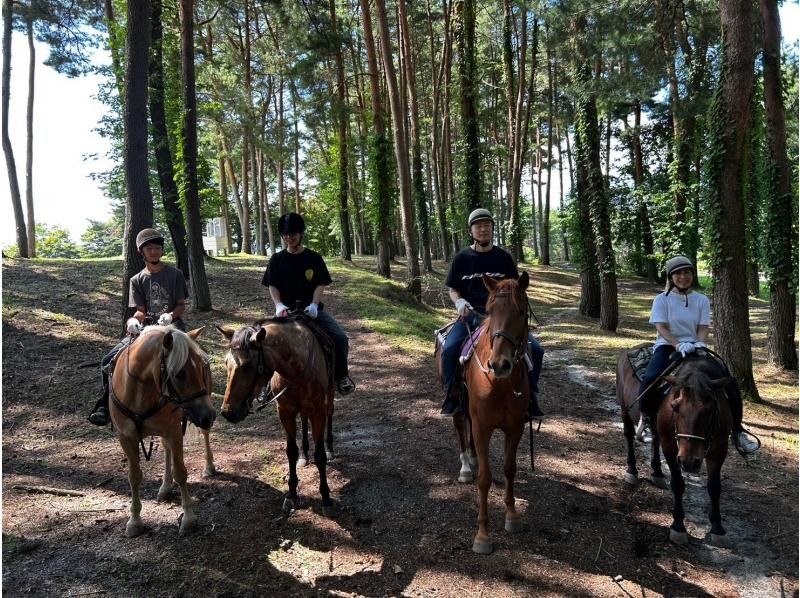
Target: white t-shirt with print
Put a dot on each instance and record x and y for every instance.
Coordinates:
(683, 314)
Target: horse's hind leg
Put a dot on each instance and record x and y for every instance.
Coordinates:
(631, 475)
(167, 483)
(210, 468)
(320, 457)
(465, 474)
(657, 477)
(302, 460)
(134, 527)
(514, 521)
(175, 443)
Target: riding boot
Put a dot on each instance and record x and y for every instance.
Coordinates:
(533, 406)
(99, 415)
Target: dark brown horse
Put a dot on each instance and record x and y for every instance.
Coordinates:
(285, 354)
(692, 425)
(498, 393)
(158, 380)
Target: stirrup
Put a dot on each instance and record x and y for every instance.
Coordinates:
(743, 444)
(99, 417)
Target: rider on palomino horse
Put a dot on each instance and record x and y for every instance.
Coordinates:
(297, 277)
(682, 320)
(469, 294)
(159, 295)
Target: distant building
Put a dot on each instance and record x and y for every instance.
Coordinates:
(214, 237)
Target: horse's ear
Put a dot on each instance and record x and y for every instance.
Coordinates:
(193, 334)
(225, 331)
(257, 338)
(489, 282)
(524, 279)
(167, 342)
(720, 382)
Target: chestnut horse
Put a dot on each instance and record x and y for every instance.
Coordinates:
(284, 353)
(692, 425)
(161, 378)
(498, 393)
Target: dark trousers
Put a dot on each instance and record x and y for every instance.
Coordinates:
(660, 360)
(455, 341)
(340, 340)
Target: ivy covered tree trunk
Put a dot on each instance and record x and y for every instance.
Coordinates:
(341, 121)
(158, 121)
(469, 183)
(781, 270)
(139, 205)
(730, 117)
(197, 268)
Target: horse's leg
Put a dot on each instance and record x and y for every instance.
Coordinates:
(677, 531)
(290, 428)
(717, 534)
(631, 475)
(210, 468)
(640, 429)
(302, 461)
(320, 457)
(481, 543)
(134, 527)
(168, 483)
(175, 444)
(465, 475)
(514, 521)
(657, 477)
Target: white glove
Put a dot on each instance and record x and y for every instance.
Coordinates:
(281, 311)
(699, 345)
(165, 319)
(133, 326)
(462, 306)
(686, 348)
(312, 310)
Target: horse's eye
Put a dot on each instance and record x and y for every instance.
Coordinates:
(181, 375)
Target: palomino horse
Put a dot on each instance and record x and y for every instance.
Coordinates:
(497, 387)
(158, 380)
(284, 353)
(693, 424)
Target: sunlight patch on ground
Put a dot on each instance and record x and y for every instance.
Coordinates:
(308, 565)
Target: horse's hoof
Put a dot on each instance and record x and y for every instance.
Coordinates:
(301, 462)
(164, 494)
(515, 525)
(288, 505)
(187, 525)
(631, 479)
(209, 471)
(659, 481)
(679, 538)
(133, 529)
(465, 475)
(713, 539)
(482, 546)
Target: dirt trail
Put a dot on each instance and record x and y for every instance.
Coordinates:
(402, 524)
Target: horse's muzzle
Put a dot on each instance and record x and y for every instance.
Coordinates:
(501, 368)
(690, 464)
(202, 416)
(233, 416)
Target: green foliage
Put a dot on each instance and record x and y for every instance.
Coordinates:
(103, 239)
(55, 242)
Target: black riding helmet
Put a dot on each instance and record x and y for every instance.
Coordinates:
(291, 222)
(149, 235)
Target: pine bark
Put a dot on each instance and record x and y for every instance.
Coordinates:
(470, 183)
(31, 220)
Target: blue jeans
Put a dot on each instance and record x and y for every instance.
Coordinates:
(455, 340)
(340, 342)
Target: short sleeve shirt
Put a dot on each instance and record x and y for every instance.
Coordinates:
(158, 292)
(296, 275)
(682, 313)
(468, 268)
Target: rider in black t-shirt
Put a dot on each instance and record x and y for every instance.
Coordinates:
(296, 278)
(467, 291)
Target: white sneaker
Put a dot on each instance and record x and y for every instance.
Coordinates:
(745, 445)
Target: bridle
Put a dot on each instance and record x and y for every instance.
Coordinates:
(518, 344)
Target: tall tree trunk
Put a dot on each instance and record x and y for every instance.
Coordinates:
(470, 186)
(197, 269)
(224, 210)
(247, 239)
(31, 220)
(11, 165)
(341, 113)
(638, 178)
(729, 119)
(262, 184)
(437, 170)
(534, 219)
(114, 46)
(139, 206)
(296, 119)
(158, 122)
(257, 202)
(546, 214)
(401, 153)
(781, 349)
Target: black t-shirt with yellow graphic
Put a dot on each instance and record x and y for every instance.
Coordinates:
(296, 275)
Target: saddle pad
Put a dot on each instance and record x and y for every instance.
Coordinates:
(469, 344)
(639, 359)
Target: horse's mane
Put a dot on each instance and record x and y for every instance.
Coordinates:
(182, 345)
(241, 338)
(696, 373)
(504, 288)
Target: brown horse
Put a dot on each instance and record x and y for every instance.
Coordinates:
(285, 354)
(158, 380)
(692, 425)
(498, 393)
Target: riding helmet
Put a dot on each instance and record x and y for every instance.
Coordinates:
(291, 222)
(679, 262)
(480, 214)
(148, 235)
